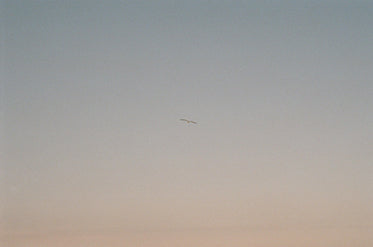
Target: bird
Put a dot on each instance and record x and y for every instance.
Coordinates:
(188, 121)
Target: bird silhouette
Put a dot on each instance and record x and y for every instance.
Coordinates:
(188, 121)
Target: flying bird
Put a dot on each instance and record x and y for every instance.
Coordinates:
(188, 121)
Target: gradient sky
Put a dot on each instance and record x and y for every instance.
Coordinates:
(91, 97)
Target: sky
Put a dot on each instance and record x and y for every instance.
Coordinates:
(93, 151)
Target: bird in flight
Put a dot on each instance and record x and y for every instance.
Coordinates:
(188, 121)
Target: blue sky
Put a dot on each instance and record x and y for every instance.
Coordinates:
(93, 91)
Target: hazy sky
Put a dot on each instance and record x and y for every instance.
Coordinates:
(91, 97)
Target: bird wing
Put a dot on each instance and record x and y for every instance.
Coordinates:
(184, 120)
(193, 122)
